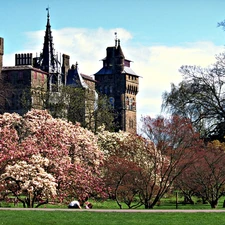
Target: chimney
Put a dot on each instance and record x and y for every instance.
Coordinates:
(65, 67)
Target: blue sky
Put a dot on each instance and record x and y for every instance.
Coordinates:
(158, 35)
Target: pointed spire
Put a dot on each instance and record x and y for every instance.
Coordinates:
(48, 12)
(48, 61)
(119, 51)
(48, 16)
(116, 39)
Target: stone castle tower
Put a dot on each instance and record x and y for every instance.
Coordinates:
(48, 60)
(120, 83)
(115, 79)
(1, 53)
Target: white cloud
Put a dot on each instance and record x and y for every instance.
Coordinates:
(160, 69)
(157, 65)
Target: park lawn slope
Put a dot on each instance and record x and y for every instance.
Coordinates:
(31, 217)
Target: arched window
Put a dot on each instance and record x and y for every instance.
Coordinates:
(133, 104)
(106, 90)
(131, 123)
(127, 102)
(130, 103)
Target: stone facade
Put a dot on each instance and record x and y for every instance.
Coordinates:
(26, 86)
(120, 83)
(45, 73)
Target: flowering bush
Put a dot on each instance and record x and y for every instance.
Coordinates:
(132, 166)
(29, 179)
(66, 146)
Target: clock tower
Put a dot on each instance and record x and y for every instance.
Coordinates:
(120, 83)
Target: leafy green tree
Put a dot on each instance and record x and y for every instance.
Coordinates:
(85, 106)
(104, 114)
(201, 98)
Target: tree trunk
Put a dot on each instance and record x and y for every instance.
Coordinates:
(41, 203)
(188, 199)
(148, 205)
(224, 204)
(214, 204)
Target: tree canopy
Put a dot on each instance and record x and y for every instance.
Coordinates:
(201, 98)
(147, 167)
(58, 158)
(89, 108)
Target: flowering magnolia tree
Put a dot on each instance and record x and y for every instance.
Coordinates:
(13, 145)
(176, 140)
(72, 151)
(135, 170)
(28, 181)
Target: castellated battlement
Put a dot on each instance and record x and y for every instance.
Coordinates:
(23, 59)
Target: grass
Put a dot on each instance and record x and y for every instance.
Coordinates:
(11, 217)
(58, 217)
(165, 203)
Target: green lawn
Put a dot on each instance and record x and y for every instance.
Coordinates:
(11, 217)
(165, 203)
(58, 217)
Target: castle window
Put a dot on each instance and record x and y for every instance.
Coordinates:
(130, 103)
(111, 101)
(131, 123)
(106, 90)
(127, 103)
(133, 104)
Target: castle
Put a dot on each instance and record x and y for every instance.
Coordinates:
(35, 76)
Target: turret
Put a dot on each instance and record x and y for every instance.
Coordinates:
(119, 82)
(65, 67)
(119, 58)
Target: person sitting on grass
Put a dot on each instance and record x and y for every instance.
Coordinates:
(74, 205)
(88, 205)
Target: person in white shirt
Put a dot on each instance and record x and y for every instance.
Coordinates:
(74, 205)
